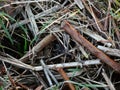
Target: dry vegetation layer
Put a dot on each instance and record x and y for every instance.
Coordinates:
(59, 45)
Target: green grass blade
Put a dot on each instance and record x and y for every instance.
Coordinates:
(6, 31)
(25, 43)
(12, 19)
(1, 88)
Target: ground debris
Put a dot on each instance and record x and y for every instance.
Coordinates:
(40, 52)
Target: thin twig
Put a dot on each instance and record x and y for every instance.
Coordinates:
(111, 86)
(89, 8)
(39, 15)
(23, 86)
(64, 75)
(71, 64)
(49, 73)
(15, 62)
(46, 74)
(32, 20)
(110, 51)
(18, 63)
(22, 2)
(95, 36)
(107, 20)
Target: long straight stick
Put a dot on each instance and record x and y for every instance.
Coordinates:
(81, 40)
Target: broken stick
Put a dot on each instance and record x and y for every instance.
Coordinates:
(38, 47)
(81, 40)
